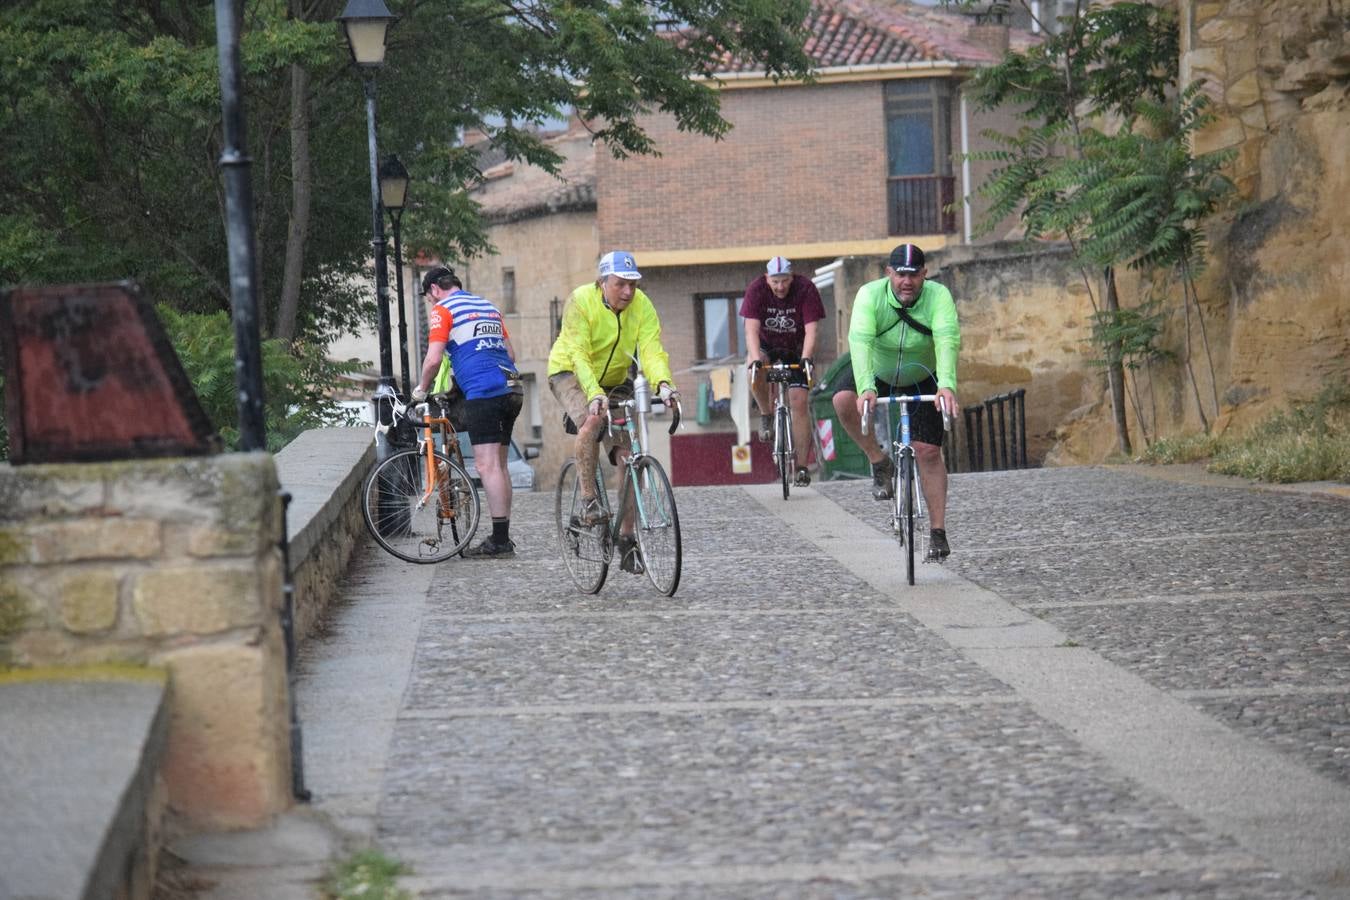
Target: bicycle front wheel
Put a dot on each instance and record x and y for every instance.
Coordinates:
(658, 526)
(782, 449)
(904, 498)
(585, 548)
(416, 517)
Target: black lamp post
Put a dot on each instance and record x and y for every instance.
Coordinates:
(366, 24)
(393, 194)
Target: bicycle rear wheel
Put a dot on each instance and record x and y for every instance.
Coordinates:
(905, 482)
(585, 549)
(782, 453)
(417, 519)
(658, 526)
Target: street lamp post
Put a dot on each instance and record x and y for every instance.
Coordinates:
(366, 24)
(393, 194)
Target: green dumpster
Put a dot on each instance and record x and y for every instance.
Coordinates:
(839, 456)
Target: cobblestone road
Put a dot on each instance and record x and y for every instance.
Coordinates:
(1119, 686)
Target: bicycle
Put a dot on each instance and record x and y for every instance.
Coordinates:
(644, 494)
(420, 504)
(779, 376)
(907, 508)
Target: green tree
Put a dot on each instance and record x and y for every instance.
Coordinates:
(1105, 161)
(110, 128)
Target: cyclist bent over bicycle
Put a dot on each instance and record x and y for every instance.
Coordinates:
(605, 325)
(904, 317)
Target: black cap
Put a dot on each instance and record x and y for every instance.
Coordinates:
(906, 258)
(442, 276)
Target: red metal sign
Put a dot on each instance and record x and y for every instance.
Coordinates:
(90, 375)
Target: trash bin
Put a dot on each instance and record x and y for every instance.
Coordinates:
(839, 456)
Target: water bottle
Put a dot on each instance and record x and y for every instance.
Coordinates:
(642, 393)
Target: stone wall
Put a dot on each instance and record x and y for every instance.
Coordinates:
(171, 564)
(175, 565)
(1276, 310)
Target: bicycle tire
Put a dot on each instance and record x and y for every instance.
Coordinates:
(782, 452)
(586, 550)
(412, 522)
(904, 474)
(657, 526)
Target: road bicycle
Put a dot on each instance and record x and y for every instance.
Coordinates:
(420, 504)
(908, 516)
(779, 376)
(645, 500)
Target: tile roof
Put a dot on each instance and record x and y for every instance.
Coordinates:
(881, 32)
(511, 191)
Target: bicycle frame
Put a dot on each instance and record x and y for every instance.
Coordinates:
(779, 377)
(588, 548)
(907, 500)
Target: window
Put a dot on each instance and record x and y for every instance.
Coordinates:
(508, 297)
(918, 156)
(720, 331)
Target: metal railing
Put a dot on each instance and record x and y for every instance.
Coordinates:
(1002, 422)
(920, 204)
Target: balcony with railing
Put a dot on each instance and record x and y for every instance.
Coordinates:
(920, 204)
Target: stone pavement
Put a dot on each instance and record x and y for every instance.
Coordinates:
(1119, 686)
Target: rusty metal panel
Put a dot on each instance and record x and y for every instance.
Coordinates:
(90, 375)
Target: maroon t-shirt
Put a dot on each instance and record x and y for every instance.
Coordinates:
(782, 323)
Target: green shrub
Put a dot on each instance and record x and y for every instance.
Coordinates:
(1182, 449)
(295, 380)
(1308, 442)
(369, 875)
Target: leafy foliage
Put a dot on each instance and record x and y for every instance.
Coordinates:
(294, 378)
(1128, 336)
(110, 126)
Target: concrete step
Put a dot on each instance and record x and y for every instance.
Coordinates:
(78, 785)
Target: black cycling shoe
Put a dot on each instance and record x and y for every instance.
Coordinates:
(937, 544)
(802, 478)
(882, 475)
(630, 558)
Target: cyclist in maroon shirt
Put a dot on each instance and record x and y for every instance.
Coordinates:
(781, 312)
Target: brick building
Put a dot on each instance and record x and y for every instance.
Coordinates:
(868, 155)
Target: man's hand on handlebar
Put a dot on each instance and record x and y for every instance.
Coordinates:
(946, 402)
(667, 393)
(809, 368)
(419, 394)
(866, 400)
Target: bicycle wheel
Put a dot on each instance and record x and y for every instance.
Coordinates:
(905, 482)
(414, 520)
(782, 452)
(457, 457)
(658, 526)
(585, 548)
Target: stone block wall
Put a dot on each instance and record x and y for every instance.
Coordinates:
(1276, 312)
(171, 564)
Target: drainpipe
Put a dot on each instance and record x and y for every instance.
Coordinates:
(965, 166)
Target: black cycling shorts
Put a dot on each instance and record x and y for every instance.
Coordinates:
(925, 422)
(491, 419)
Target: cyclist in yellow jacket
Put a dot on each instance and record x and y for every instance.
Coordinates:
(605, 325)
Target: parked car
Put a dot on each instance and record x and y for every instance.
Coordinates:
(521, 472)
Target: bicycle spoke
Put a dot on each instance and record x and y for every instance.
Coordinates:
(658, 526)
(416, 519)
(585, 548)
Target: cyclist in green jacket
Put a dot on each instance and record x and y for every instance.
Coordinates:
(604, 325)
(903, 337)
